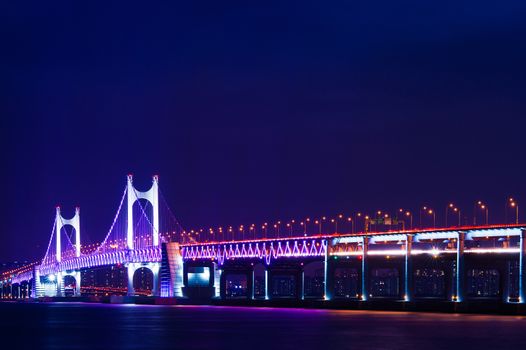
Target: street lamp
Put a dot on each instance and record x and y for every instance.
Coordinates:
(356, 216)
(450, 206)
(457, 210)
(432, 212)
(318, 222)
(410, 215)
(515, 205)
(424, 210)
(483, 207)
(277, 227)
(349, 219)
(242, 230)
(335, 222)
(340, 216)
(377, 220)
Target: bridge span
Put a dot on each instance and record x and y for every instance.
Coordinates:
(453, 264)
(483, 262)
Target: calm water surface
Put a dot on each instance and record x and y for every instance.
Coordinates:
(98, 326)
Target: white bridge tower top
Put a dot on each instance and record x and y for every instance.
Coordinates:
(61, 222)
(152, 196)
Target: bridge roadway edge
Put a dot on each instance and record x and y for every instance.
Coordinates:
(467, 307)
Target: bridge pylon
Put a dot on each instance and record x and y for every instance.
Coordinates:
(58, 279)
(61, 222)
(152, 196)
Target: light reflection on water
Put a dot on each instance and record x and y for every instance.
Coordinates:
(83, 326)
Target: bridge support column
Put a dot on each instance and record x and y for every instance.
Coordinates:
(266, 283)
(222, 286)
(156, 282)
(217, 280)
(60, 285)
(505, 282)
(251, 279)
(302, 283)
(36, 286)
(460, 273)
(408, 270)
(365, 269)
(328, 274)
(130, 269)
(78, 284)
(522, 267)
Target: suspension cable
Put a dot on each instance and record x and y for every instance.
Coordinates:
(113, 223)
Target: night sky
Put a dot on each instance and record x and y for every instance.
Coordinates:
(257, 111)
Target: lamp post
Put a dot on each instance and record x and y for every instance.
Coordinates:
(356, 216)
(432, 212)
(289, 225)
(457, 210)
(349, 219)
(515, 205)
(450, 206)
(407, 214)
(277, 227)
(318, 222)
(410, 215)
(420, 215)
(485, 209)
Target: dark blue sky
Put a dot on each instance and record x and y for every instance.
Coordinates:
(255, 112)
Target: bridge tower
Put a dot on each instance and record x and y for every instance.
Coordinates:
(152, 196)
(75, 223)
(60, 223)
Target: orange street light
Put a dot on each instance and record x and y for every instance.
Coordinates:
(515, 205)
(484, 208)
(410, 215)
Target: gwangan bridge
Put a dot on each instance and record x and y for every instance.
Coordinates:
(455, 264)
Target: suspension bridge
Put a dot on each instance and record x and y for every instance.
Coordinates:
(453, 264)
(142, 222)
